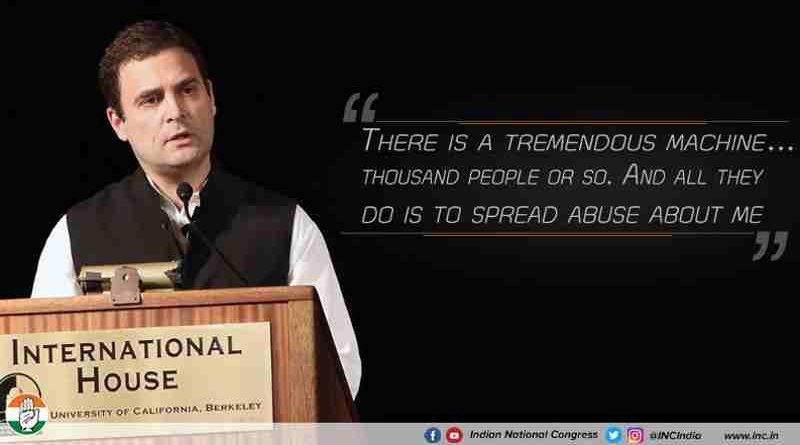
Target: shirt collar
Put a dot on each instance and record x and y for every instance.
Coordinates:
(173, 210)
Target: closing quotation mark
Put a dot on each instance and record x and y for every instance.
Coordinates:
(367, 113)
(762, 241)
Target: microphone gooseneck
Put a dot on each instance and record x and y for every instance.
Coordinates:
(185, 193)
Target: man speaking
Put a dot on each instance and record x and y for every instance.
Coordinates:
(161, 101)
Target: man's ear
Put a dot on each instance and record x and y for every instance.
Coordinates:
(117, 123)
(211, 95)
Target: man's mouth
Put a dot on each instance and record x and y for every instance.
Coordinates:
(180, 137)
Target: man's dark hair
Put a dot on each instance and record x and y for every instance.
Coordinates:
(139, 41)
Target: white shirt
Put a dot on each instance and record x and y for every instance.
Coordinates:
(309, 264)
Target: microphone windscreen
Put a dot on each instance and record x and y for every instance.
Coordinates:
(185, 191)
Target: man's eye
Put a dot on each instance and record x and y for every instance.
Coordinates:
(188, 90)
(149, 100)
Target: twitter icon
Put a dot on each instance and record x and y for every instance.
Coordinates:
(614, 434)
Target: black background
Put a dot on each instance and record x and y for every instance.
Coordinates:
(517, 329)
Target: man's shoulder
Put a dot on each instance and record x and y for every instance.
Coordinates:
(237, 190)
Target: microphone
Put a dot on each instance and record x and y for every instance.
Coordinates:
(185, 192)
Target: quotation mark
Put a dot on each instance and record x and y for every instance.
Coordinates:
(367, 113)
(762, 241)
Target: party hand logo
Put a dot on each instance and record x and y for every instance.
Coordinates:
(26, 414)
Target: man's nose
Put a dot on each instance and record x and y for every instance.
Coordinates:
(174, 108)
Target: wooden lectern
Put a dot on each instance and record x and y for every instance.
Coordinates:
(308, 382)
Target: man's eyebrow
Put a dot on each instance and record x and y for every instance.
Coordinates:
(187, 82)
(158, 90)
(148, 93)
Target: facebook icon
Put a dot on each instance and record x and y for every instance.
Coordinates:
(433, 435)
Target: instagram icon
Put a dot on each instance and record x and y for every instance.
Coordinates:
(635, 435)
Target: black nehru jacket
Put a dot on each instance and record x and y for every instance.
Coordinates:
(124, 224)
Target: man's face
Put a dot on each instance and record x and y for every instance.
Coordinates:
(169, 113)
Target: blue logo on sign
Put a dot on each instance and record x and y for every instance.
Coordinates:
(614, 434)
(433, 435)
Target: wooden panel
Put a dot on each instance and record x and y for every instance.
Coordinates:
(308, 382)
(206, 297)
(334, 401)
(136, 318)
(302, 365)
(280, 368)
(318, 384)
